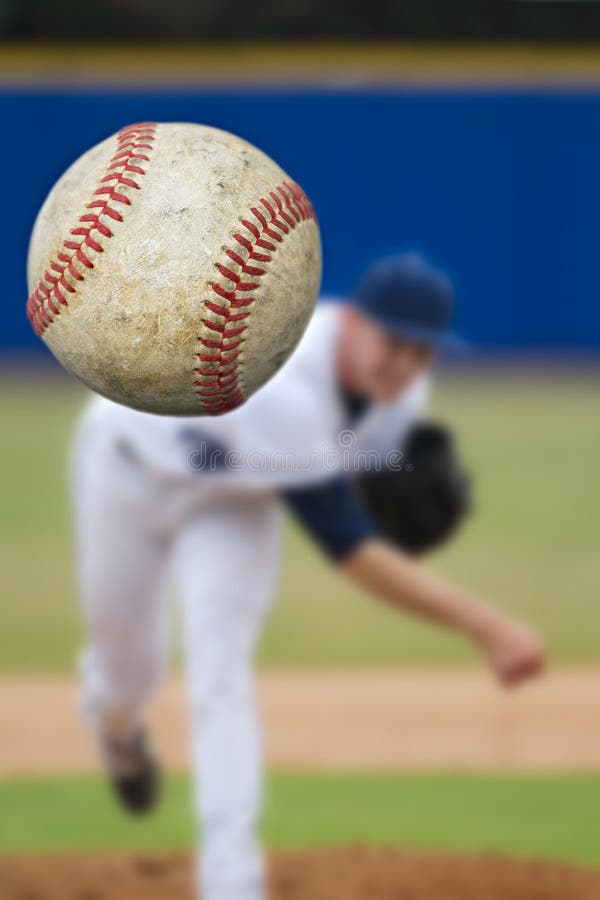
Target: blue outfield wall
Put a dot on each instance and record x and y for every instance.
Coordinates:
(500, 187)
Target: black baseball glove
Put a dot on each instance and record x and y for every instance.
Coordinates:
(419, 504)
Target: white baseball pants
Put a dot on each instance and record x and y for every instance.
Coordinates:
(134, 529)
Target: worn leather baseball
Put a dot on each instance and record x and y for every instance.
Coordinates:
(173, 268)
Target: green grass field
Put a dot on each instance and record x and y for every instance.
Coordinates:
(527, 816)
(532, 440)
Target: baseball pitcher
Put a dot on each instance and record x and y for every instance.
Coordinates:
(199, 501)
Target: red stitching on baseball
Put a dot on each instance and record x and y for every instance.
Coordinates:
(41, 308)
(219, 388)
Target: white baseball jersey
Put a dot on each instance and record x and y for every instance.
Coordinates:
(292, 432)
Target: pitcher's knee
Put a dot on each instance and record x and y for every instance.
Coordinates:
(222, 689)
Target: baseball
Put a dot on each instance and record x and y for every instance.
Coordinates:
(173, 268)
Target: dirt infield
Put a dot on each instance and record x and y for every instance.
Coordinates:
(387, 720)
(352, 874)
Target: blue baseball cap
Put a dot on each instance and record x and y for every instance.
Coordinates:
(409, 298)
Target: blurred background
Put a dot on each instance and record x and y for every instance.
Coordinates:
(469, 131)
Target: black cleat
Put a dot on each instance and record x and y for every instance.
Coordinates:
(134, 772)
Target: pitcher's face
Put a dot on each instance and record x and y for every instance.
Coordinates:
(375, 364)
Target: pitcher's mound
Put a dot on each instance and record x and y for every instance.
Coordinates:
(352, 874)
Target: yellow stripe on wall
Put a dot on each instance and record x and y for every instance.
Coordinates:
(317, 64)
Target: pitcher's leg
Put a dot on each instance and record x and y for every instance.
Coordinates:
(122, 568)
(226, 564)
